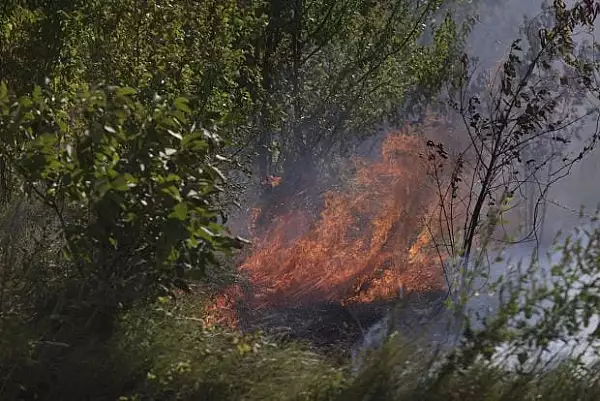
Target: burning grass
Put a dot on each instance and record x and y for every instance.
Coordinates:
(370, 241)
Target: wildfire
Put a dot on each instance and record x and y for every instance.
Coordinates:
(370, 240)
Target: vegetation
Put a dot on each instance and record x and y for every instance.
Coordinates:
(121, 126)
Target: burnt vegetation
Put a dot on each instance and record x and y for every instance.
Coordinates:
(294, 200)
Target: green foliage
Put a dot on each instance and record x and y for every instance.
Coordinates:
(196, 49)
(199, 50)
(330, 66)
(545, 305)
(164, 352)
(134, 186)
(116, 196)
(29, 41)
(334, 69)
(187, 361)
(316, 73)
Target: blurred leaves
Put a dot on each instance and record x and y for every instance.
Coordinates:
(124, 178)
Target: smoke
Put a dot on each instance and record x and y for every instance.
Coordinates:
(570, 202)
(490, 42)
(303, 250)
(560, 210)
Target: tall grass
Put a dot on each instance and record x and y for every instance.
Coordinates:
(165, 351)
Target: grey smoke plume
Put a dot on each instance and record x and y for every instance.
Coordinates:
(489, 42)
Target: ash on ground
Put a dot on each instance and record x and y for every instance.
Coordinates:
(356, 327)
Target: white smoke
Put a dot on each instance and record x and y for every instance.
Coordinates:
(490, 41)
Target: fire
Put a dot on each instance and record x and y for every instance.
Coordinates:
(370, 235)
(370, 240)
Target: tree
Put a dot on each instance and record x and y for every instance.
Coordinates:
(199, 50)
(516, 127)
(335, 69)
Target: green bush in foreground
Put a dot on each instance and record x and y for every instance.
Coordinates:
(184, 360)
(165, 352)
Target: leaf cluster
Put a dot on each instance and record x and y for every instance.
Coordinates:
(134, 186)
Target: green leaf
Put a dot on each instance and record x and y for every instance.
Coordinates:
(125, 91)
(206, 234)
(129, 217)
(3, 91)
(113, 242)
(181, 104)
(180, 212)
(194, 141)
(25, 102)
(120, 183)
(44, 141)
(37, 93)
(172, 191)
(130, 179)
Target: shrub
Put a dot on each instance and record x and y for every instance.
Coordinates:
(184, 360)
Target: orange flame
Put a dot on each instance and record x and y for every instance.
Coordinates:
(369, 241)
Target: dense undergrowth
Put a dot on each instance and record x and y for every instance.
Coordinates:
(166, 353)
(165, 350)
(120, 124)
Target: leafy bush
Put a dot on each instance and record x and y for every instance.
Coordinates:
(115, 201)
(134, 187)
